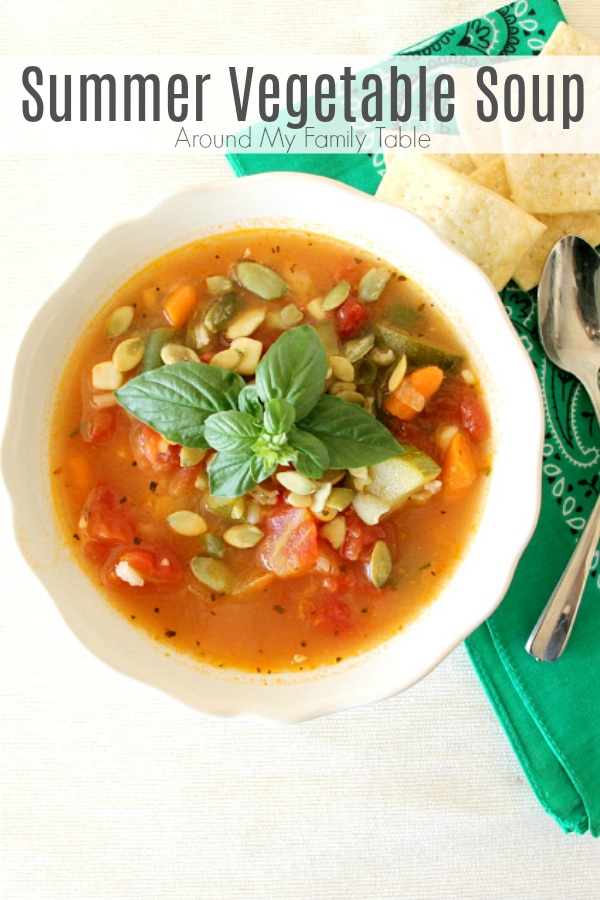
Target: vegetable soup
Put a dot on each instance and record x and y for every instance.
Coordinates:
(270, 451)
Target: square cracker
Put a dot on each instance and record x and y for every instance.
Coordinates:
(554, 182)
(529, 271)
(551, 182)
(566, 41)
(460, 162)
(490, 230)
(585, 224)
(493, 176)
(484, 159)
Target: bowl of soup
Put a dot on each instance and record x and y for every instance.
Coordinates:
(274, 448)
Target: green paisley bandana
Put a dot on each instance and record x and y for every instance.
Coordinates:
(550, 711)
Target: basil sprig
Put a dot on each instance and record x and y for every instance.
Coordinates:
(282, 419)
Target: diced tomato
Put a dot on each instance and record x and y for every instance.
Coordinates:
(183, 481)
(156, 565)
(106, 520)
(100, 427)
(96, 551)
(349, 317)
(456, 403)
(474, 417)
(332, 616)
(360, 537)
(206, 357)
(163, 457)
(290, 546)
(349, 270)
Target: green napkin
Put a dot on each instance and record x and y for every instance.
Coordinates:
(550, 711)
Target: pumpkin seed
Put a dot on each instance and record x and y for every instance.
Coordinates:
(340, 498)
(250, 352)
(300, 501)
(211, 543)
(176, 353)
(371, 285)
(338, 386)
(187, 523)
(297, 483)
(321, 497)
(366, 371)
(398, 374)
(352, 397)
(118, 322)
(191, 456)
(355, 350)
(336, 296)
(333, 475)
(227, 359)
(380, 565)
(361, 472)
(128, 354)
(221, 505)
(246, 323)
(260, 280)
(218, 284)
(214, 573)
(243, 536)
(290, 315)
(223, 311)
(335, 532)
(369, 508)
(342, 368)
(105, 377)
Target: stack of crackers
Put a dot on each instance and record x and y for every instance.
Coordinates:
(505, 212)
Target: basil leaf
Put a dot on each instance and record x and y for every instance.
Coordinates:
(312, 456)
(294, 369)
(231, 431)
(248, 401)
(262, 470)
(353, 436)
(231, 474)
(177, 399)
(279, 416)
(234, 474)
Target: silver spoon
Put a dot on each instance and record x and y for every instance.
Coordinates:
(569, 322)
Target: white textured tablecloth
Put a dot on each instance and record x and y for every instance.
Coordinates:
(109, 790)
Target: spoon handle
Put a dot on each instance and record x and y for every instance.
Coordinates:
(551, 633)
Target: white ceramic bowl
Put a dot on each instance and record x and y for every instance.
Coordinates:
(460, 289)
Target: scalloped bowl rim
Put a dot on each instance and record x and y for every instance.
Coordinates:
(464, 293)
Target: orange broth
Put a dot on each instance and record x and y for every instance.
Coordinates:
(266, 623)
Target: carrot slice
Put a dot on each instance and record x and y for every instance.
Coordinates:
(458, 468)
(180, 305)
(425, 381)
